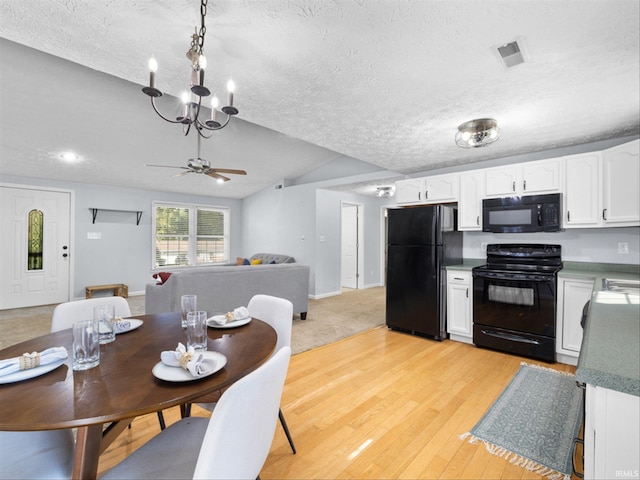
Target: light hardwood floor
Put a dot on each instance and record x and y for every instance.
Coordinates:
(381, 404)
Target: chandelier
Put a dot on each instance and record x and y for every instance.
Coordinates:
(477, 133)
(192, 101)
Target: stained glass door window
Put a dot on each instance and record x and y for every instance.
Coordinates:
(35, 240)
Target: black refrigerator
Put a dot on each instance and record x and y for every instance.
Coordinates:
(421, 242)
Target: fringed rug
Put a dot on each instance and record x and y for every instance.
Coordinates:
(534, 421)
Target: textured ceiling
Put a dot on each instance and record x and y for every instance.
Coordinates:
(383, 81)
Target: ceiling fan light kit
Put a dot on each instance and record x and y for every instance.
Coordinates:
(477, 133)
(190, 115)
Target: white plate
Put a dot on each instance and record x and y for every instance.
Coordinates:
(235, 323)
(122, 327)
(179, 374)
(32, 372)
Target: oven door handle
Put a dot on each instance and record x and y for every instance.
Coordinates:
(507, 277)
(507, 336)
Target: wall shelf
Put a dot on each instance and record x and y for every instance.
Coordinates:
(94, 213)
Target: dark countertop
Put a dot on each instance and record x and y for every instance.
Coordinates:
(610, 351)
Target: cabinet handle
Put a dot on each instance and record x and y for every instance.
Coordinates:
(477, 219)
(426, 194)
(513, 186)
(524, 185)
(604, 214)
(458, 278)
(419, 194)
(467, 292)
(568, 216)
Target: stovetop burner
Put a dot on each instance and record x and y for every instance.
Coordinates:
(523, 258)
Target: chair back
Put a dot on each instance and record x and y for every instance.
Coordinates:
(275, 311)
(66, 313)
(240, 432)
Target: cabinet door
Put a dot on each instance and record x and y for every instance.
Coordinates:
(441, 188)
(409, 191)
(541, 177)
(582, 190)
(459, 304)
(573, 294)
(502, 181)
(611, 438)
(470, 203)
(621, 203)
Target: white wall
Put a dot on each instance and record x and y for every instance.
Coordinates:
(123, 254)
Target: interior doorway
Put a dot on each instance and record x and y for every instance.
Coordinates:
(34, 246)
(351, 228)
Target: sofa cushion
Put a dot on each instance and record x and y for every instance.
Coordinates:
(270, 258)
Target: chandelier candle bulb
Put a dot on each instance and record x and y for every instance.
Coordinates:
(214, 105)
(202, 62)
(153, 68)
(231, 87)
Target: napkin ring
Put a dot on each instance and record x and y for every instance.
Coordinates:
(185, 358)
(29, 360)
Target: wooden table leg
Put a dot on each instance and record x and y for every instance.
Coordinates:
(87, 454)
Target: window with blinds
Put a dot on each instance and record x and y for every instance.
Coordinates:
(190, 235)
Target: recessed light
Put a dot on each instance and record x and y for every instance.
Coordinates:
(69, 157)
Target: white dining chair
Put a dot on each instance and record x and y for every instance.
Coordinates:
(36, 455)
(232, 444)
(277, 312)
(66, 313)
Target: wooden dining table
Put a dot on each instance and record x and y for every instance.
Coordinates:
(122, 386)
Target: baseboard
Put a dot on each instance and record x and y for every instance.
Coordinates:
(339, 292)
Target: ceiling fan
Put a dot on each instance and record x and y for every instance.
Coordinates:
(200, 165)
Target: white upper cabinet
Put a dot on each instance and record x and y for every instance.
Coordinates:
(529, 178)
(409, 191)
(620, 170)
(470, 200)
(582, 190)
(441, 188)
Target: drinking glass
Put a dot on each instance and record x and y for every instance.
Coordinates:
(86, 344)
(189, 304)
(197, 331)
(105, 315)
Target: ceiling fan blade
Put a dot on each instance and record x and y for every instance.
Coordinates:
(163, 166)
(228, 170)
(217, 176)
(181, 174)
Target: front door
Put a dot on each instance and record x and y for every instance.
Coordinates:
(34, 247)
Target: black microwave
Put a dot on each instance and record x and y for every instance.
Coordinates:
(531, 213)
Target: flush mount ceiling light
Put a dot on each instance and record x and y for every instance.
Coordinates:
(477, 133)
(384, 192)
(190, 115)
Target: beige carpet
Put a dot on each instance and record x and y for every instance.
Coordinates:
(328, 319)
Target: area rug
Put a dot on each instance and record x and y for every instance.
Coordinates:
(534, 421)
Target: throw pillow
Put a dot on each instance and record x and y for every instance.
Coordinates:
(272, 262)
(239, 261)
(162, 277)
(256, 261)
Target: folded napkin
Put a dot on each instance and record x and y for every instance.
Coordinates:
(194, 362)
(239, 313)
(32, 360)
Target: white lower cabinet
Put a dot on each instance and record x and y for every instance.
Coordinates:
(573, 293)
(460, 305)
(611, 434)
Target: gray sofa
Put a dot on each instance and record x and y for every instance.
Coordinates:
(220, 289)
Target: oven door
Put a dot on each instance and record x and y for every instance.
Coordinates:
(515, 301)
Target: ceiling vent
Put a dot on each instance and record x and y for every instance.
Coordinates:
(511, 54)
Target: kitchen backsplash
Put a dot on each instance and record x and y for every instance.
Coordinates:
(599, 245)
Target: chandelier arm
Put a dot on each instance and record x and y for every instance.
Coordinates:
(207, 127)
(201, 133)
(153, 103)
